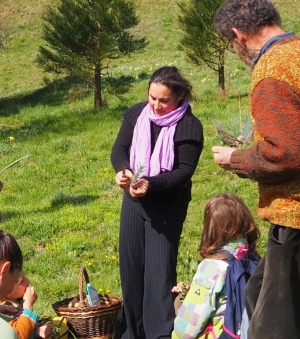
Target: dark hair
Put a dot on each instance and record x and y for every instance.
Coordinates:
(10, 251)
(226, 217)
(169, 76)
(248, 16)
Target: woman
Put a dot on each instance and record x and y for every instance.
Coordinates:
(155, 155)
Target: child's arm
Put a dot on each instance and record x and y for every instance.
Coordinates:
(24, 325)
(181, 288)
(201, 298)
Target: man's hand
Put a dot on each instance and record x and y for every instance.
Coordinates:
(222, 156)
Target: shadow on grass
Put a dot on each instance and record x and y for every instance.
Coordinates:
(70, 89)
(52, 94)
(57, 202)
(77, 118)
(236, 96)
(76, 200)
(5, 216)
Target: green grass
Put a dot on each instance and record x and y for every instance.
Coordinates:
(61, 203)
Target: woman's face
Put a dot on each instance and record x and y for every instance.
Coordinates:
(161, 99)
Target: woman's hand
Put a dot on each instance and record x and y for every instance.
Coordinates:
(123, 180)
(30, 297)
(139, 189)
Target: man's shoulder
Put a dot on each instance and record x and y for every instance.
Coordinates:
(280, 63)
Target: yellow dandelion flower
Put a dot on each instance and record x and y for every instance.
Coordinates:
(107, 291)
(11, 139)
(113, 257)
(100, 290)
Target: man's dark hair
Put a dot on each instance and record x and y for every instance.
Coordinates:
(10, 251)
(248, 16)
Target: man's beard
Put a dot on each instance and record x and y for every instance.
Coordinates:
(245, 55)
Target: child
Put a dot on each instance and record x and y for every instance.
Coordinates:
(11, 262)
(23, 296)
(228, 229)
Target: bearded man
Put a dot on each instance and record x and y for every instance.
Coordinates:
(253, 30)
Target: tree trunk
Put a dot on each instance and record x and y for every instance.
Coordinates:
(97, 87)
(221, 73)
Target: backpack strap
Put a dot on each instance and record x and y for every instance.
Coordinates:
(242, 252)
(210, 329)
(232, 335)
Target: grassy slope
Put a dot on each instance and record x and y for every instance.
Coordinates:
(61, 203)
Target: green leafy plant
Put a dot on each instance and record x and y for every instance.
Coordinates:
(185, 289)
(137, 173)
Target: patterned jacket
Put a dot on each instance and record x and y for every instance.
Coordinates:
(205, 302)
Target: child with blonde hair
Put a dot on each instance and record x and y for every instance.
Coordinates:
(228, 230)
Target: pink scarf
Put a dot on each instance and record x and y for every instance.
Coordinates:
(162, 158)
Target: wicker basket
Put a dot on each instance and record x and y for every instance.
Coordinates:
(96, 322)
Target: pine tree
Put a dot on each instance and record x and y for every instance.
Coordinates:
(83, 36)
(200, 41)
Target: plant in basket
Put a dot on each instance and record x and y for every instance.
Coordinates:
(86, 321)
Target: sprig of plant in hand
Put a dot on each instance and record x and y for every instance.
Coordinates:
(184, 292)
(137, 173)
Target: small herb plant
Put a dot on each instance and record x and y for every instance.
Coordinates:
(137, 173)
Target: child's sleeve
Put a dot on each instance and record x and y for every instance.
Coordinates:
(25, 324)
(200, 302)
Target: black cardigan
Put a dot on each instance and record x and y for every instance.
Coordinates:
(166, 188)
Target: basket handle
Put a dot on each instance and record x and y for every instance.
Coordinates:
(82, 273)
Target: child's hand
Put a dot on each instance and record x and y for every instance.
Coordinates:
(44, 331)
(10, 310)
(180, 287)
(30, 297)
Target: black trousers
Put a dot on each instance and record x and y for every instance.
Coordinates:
(273, 291)
(149, 240)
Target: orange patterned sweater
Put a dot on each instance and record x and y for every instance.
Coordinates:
(274, 159)
(25, 324)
